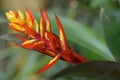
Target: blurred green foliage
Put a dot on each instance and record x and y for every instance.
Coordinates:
(92, 33)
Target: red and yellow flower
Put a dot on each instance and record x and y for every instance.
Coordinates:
(41, 38)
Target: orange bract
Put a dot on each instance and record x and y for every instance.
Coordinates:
(41, 38)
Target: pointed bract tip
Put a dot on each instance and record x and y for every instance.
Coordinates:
(48, 24)
(30, 15)
(50, 64)
(62, 34)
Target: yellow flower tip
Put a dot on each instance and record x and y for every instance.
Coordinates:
(30, 16)
(31, 21)
(16, 27)
(29, 42)
(13, 13)
(21, 15)
(48, 26)
(11, 16)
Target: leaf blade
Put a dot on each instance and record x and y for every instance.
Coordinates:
(95, 69)
(111, 29)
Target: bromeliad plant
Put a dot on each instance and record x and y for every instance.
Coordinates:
(41, 38)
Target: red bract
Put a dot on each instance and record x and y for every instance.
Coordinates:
(41, 38)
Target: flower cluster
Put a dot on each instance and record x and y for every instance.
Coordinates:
(41, 38)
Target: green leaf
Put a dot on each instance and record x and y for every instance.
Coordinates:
(83, 36)
(111, 28)
(103, 70)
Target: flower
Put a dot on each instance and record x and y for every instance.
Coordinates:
(41, 38)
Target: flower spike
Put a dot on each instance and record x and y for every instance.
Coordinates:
(41, 38)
